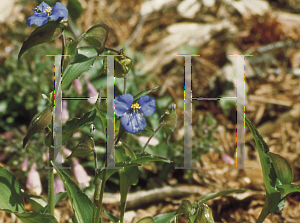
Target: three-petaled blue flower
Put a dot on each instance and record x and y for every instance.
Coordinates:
(132, 114)
(44, 12)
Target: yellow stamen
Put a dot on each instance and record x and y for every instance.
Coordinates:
(48, 10)
(136, 106)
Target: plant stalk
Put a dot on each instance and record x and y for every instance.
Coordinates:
(98, 197)
(264, 212)
(151, 136)
(51, 174)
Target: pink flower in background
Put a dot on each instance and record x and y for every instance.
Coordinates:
(81, 175)
(78, 86)
(58, 185)
(143, 139)
(93, 93)
(33, 183)
(227, 159)
(2, 156)
(24, 165)
(65, 113)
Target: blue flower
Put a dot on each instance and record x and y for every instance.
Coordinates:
(132, 114)
(44, 12)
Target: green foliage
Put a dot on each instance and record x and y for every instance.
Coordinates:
(11, 200)
(84, 147)
(277, 174)
(82, 205)
(46, 33)
(38, 123)
(83, 59)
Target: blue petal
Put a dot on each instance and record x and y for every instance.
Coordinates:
(148, 105)
(42, 7)
(122, 104)
(59, 11)
(38, 19)
(133, 122)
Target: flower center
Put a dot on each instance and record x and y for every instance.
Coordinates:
(136, 106)
(48, 10)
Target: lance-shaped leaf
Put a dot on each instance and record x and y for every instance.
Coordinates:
(82, 205)
(96, 36)
(83, 62)
(38, 123)
(128, 176)
(145, 92)
(122, 65)
(43, 34)
(84, 147)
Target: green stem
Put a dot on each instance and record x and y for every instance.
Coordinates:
(98, 197)
(125, 83)
(51, 175)
(264, 213)
(151, 136)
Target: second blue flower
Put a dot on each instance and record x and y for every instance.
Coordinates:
(132, 115)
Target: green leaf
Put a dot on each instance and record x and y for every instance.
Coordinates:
(146, 220)
(111, 217)
(38, 203)
(75, 9)
(219, 194)
(59, 196)
(144, 158)
(273, 200)
(38, 123)
(129, 175)
(265, 160)
(145, 92)
(110, 172)
(32, 217)
(82, 205)
(96, 36)
(84, 147)
(203, 215)
(10, 198)
(128, 151)
(164, 218)
(83, 62)
(283, 169)
(46, 33)
(287, 189)
(185, 207)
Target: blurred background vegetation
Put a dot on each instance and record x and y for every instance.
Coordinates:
(151, 33)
